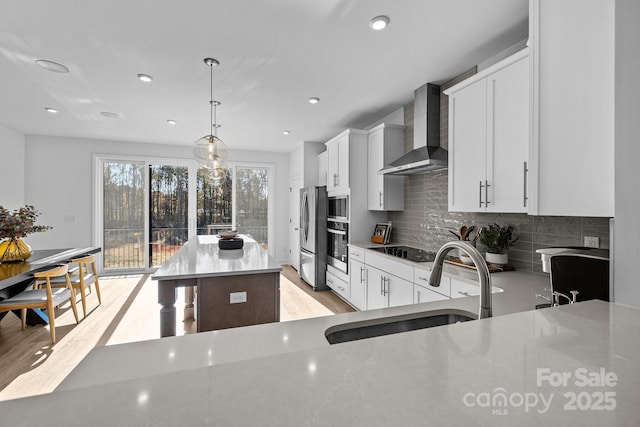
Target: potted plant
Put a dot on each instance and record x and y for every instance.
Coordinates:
(13, 226)
(498, 239)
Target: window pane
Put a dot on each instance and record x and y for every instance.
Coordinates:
(169, 211)
(252, 205)
(123, 215)
(214, 203)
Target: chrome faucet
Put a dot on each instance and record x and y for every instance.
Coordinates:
(483, 273)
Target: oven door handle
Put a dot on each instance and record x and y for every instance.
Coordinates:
(341, 232)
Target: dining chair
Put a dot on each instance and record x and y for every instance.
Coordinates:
(44, 298)
(81, 276)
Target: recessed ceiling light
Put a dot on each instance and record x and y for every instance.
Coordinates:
(145, 78)
(172, 122)
(286, 132)
(50, 110)
(52, 66)
(379, 22)
(111, 115)
(314, 100)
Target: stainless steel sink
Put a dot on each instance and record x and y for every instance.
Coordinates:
(393, 325)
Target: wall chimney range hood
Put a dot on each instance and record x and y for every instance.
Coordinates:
(427, 155)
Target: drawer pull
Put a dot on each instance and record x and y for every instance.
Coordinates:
(464, 293)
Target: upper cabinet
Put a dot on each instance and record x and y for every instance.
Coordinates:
(489, 138)
(339, 152)
(572, 91)
(386, 144)
(322, 169)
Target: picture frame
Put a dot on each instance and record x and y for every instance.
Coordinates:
(383, 230)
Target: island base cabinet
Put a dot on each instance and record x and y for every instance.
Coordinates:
(232, 301)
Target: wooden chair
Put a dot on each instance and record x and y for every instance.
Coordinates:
(82, 276)
(46, 298)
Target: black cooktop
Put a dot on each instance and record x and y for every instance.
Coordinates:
(408, 253)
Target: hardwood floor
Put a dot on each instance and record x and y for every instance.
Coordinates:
(128, 313)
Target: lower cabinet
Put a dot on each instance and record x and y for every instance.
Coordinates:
(422, 294)
(386, 290)
(358, 283)
(340, 286)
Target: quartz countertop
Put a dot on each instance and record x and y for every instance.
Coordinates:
(570, 365)
(201, 257)
(126, 361)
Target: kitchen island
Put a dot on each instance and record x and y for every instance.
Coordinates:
(569, 365)
(237, 287)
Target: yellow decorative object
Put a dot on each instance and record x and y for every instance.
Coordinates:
(14, 250)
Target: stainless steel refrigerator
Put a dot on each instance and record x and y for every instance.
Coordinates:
(313, 236)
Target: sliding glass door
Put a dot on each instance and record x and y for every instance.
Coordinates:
(147, 209)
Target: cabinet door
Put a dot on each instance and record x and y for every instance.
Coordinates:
(343, 163)
(467, 143)
(358, 282)
(400, 290)
(573, 107)
(375, 163)
(333, 153)
(322, 169)
(376, 292)
(421, 294)
(508, 138)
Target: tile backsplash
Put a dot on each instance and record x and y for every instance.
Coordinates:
(425, 221)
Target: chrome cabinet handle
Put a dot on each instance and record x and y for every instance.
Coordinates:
(384, 286)
(526, 174)
(335, 180)
(380, 198)
(480, 193)
(464, 293)
(486, 193)
(381, 285)
(422, 278)
(361, 274)
(418, 295)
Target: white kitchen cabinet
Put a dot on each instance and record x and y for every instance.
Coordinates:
(571, 166)
(422, 294)
(386, 290)
(421, 278)
(357, 278)
(345, 151)
(386, 144)
(489, 138)
(322, 169)
(340, 286)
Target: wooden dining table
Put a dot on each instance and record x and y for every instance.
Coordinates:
(16, 277)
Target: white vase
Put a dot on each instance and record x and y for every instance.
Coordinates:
(497, 259)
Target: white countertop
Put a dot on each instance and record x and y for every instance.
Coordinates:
(438, 376)
(201, 257)
(126, 361)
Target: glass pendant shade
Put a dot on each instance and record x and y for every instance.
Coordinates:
(210, 152)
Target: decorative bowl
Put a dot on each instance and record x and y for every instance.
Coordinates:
(228, 234)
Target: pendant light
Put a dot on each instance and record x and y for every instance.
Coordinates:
(210, 151)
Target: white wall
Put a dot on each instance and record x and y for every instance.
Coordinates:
(12, 152)
(59, 183)
(626, 248)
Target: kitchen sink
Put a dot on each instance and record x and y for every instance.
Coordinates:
(394, 325)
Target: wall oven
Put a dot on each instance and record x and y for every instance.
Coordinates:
(337, 244)
(338, 208)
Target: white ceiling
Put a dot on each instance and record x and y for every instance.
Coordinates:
(274, 55)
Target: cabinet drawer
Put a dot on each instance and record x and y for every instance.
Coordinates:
(422, 294)
(338, 285)
(389, 265)
(421, 278)
(460, 289)
(356, 253)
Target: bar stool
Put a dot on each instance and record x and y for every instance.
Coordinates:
(46, 298)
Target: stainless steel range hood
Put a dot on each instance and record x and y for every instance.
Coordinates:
(427, 155)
